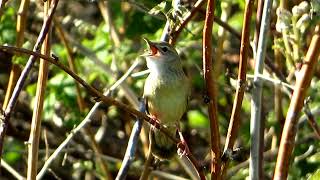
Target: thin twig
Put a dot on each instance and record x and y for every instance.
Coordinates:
(80, 101)
(5, 117)
(227, 27)
(311, 120)
(147, 165)
(132, 145)
(15, 69)
(256, 124)
(21, 21)
(14, 75)
(309, 115)
(211, 92)
(314, 111)
(258, 21)
(271, 154)
(236, 110)
(175, 34)
(97, 149)
(2, 5)
(99, 97)
(86, 120)
(222, 36)
(274, 81)
(105, 11)
(129, 94)
(278, 95)
(306, 154)
(70, 59)
(33, 142)
(268, 60)
(14, 173)
(296, 104)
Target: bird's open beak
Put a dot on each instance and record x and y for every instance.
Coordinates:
(153, 50)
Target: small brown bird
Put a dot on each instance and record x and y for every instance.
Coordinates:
(166, 91)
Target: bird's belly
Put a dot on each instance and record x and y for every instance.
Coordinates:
(167, 102)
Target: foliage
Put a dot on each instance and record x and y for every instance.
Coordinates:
(88, 33)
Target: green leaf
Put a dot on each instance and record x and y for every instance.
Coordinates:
(12, 151)
(197, 120)
(158, 8)
(315, 175)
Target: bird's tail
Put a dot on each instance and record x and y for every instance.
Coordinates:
(162, 147)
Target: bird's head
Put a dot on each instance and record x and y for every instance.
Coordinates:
(161, 54)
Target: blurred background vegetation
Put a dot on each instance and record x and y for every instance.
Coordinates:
(95, 49)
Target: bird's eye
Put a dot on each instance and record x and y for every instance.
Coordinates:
(164, 49)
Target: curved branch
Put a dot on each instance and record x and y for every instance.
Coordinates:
(296, 104)
(98, 95)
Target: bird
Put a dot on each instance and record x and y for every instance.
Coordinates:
(166, 93)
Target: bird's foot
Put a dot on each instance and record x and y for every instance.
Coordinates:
(155, 123)
(183, 149)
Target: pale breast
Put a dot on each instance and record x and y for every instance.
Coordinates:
(167, 97)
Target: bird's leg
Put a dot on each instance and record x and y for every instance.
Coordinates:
(154, 122)
(182, 146)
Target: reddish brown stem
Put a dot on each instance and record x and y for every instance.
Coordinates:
(186, 19)
(211, 92)
(296, 104)
(236, 110)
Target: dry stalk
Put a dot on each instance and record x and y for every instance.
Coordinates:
(296, 104)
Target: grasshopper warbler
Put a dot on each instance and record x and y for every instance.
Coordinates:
(166, 91)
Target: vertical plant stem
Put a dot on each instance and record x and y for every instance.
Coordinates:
(97, 150)
(14, 75)
(21, 21)
(70, 59)
(146, 170)
(225, 7)
(105, 11)
(132, 146)
(258, 21)
(256, 123)
(235, 116)
(15, 69)
(296, 104)
(288, 48)
(165, 36)
(175, 34)
(236, 110)
(80, 101)
(211, 91)
(2, 5)
(4, 118)
(277, 91)
(296, 38)
(33, 142)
